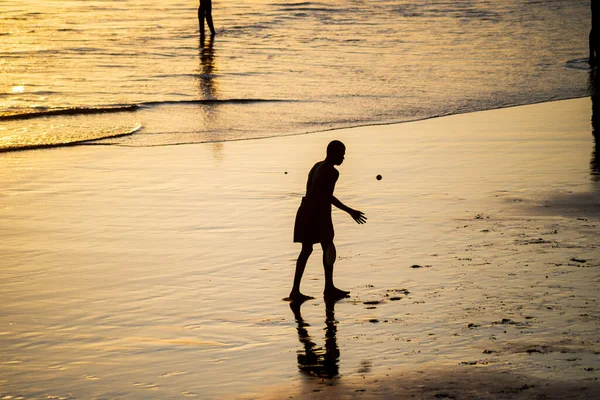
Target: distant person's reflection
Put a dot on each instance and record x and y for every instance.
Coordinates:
(207, 87)
(206, 82)
(313, 360)
(595, 94)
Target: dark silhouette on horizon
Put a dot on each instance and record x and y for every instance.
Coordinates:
(595, 95)
(205, 12)
(313, 360)
(594, 38)
(314, 224)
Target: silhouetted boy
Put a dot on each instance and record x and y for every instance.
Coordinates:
(314, 223)
(205, 11)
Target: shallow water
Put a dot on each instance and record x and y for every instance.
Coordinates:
(329, 64)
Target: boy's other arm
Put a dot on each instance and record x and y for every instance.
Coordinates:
(358, 216)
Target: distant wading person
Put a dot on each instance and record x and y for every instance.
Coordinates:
(314, 223)
(205, 11)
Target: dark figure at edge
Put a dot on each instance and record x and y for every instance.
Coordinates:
(594, 39)
(205, 11)
(313, 220)
(595, 96)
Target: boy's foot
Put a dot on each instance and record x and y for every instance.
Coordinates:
(298, 297)
(335, 293)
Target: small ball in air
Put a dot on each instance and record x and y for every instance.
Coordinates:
(378, 177)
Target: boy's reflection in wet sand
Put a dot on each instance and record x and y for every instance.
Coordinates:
(313, 360)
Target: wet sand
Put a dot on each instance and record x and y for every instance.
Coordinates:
(159, 272)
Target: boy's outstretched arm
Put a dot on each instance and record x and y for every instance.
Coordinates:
(358, 216)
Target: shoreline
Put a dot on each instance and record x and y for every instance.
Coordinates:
(139, 127)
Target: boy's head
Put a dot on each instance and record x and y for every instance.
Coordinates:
(336, 151)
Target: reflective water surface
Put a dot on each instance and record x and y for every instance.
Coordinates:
(311, 65)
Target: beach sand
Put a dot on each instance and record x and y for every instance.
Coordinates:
(158, 272)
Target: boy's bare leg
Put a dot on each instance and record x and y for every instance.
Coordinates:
(295, 294)
(329, 256)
